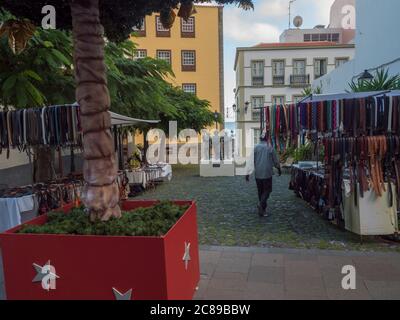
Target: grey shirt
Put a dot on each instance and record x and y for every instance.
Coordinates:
(265, 159)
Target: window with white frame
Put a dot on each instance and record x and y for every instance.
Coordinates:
(188, 58)
(164, 55)
(189, 88)
(160, 26)
(256, 104)
(278, 72)
(340, 61)
(257, 73)
(140, 54)
(299, 67)
(141, 27)
(278, 100)
(320, 67)
(188, 25)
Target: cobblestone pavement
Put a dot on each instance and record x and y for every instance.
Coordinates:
(274, 274)
(227, 214)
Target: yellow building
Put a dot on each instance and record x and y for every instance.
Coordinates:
(193, 47)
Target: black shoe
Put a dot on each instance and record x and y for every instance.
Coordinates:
(260, 210)
(265, 214)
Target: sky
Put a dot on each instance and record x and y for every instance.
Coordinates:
(265, 24)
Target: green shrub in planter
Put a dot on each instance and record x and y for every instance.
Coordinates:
(152, 221)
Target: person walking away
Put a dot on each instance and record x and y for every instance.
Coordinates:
(265, 159)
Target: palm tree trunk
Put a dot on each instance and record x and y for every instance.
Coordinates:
(101, 194)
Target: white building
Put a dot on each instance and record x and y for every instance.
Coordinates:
(377, 43)
(278, 73)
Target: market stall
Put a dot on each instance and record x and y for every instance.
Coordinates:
(140, 174)
(57, 127)
(21, 204)
(357, 185)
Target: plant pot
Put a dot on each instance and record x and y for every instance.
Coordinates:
(103, 267)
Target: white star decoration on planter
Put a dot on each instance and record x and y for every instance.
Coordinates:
(186, 256)
(122, 296)
(46, 275)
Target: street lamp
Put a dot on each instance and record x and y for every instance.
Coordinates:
(216, 117)
(237, 109)
(246, 106)
(365, 76)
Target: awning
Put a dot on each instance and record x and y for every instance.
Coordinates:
(124, 121)
(350, 95)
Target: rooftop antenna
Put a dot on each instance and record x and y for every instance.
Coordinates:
(290, 15)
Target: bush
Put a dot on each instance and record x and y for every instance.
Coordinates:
(153, 221)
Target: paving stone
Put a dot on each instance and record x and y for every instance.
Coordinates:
(300, 257)
(313, 285)
(227, 284)
(361, 293)
(383, 290)
(237, 255)
(302, 268)
(202, 288)
(267, 260)
(378, 271)
(207, 269)
(274, 275)
(230, 275)
(219, 294)
(233, 265)
(335, 262)
(210, 256)
(264, 291)
(305, 293)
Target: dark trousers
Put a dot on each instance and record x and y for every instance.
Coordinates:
(264, 187)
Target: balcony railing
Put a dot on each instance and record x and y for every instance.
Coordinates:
(257, 81)
(299, 80)
(278, 80)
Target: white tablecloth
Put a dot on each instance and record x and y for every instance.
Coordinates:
(11, 209)
(150, 173)
(167, 172)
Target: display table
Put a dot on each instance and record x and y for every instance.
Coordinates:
(370, 215)
(151, 173)
(14, 211)
(21, 204)
(308, 183)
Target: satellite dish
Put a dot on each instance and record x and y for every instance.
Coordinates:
(298, 21)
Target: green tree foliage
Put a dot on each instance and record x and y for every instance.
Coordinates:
(42, 74)
(381, 81)
(117, 16)
(191, 112)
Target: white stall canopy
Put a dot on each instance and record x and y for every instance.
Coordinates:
(124, 121)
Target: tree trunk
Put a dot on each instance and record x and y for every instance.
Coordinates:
(100, 194)
(43, 169)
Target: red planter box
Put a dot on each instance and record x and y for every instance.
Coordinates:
(89, 267)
